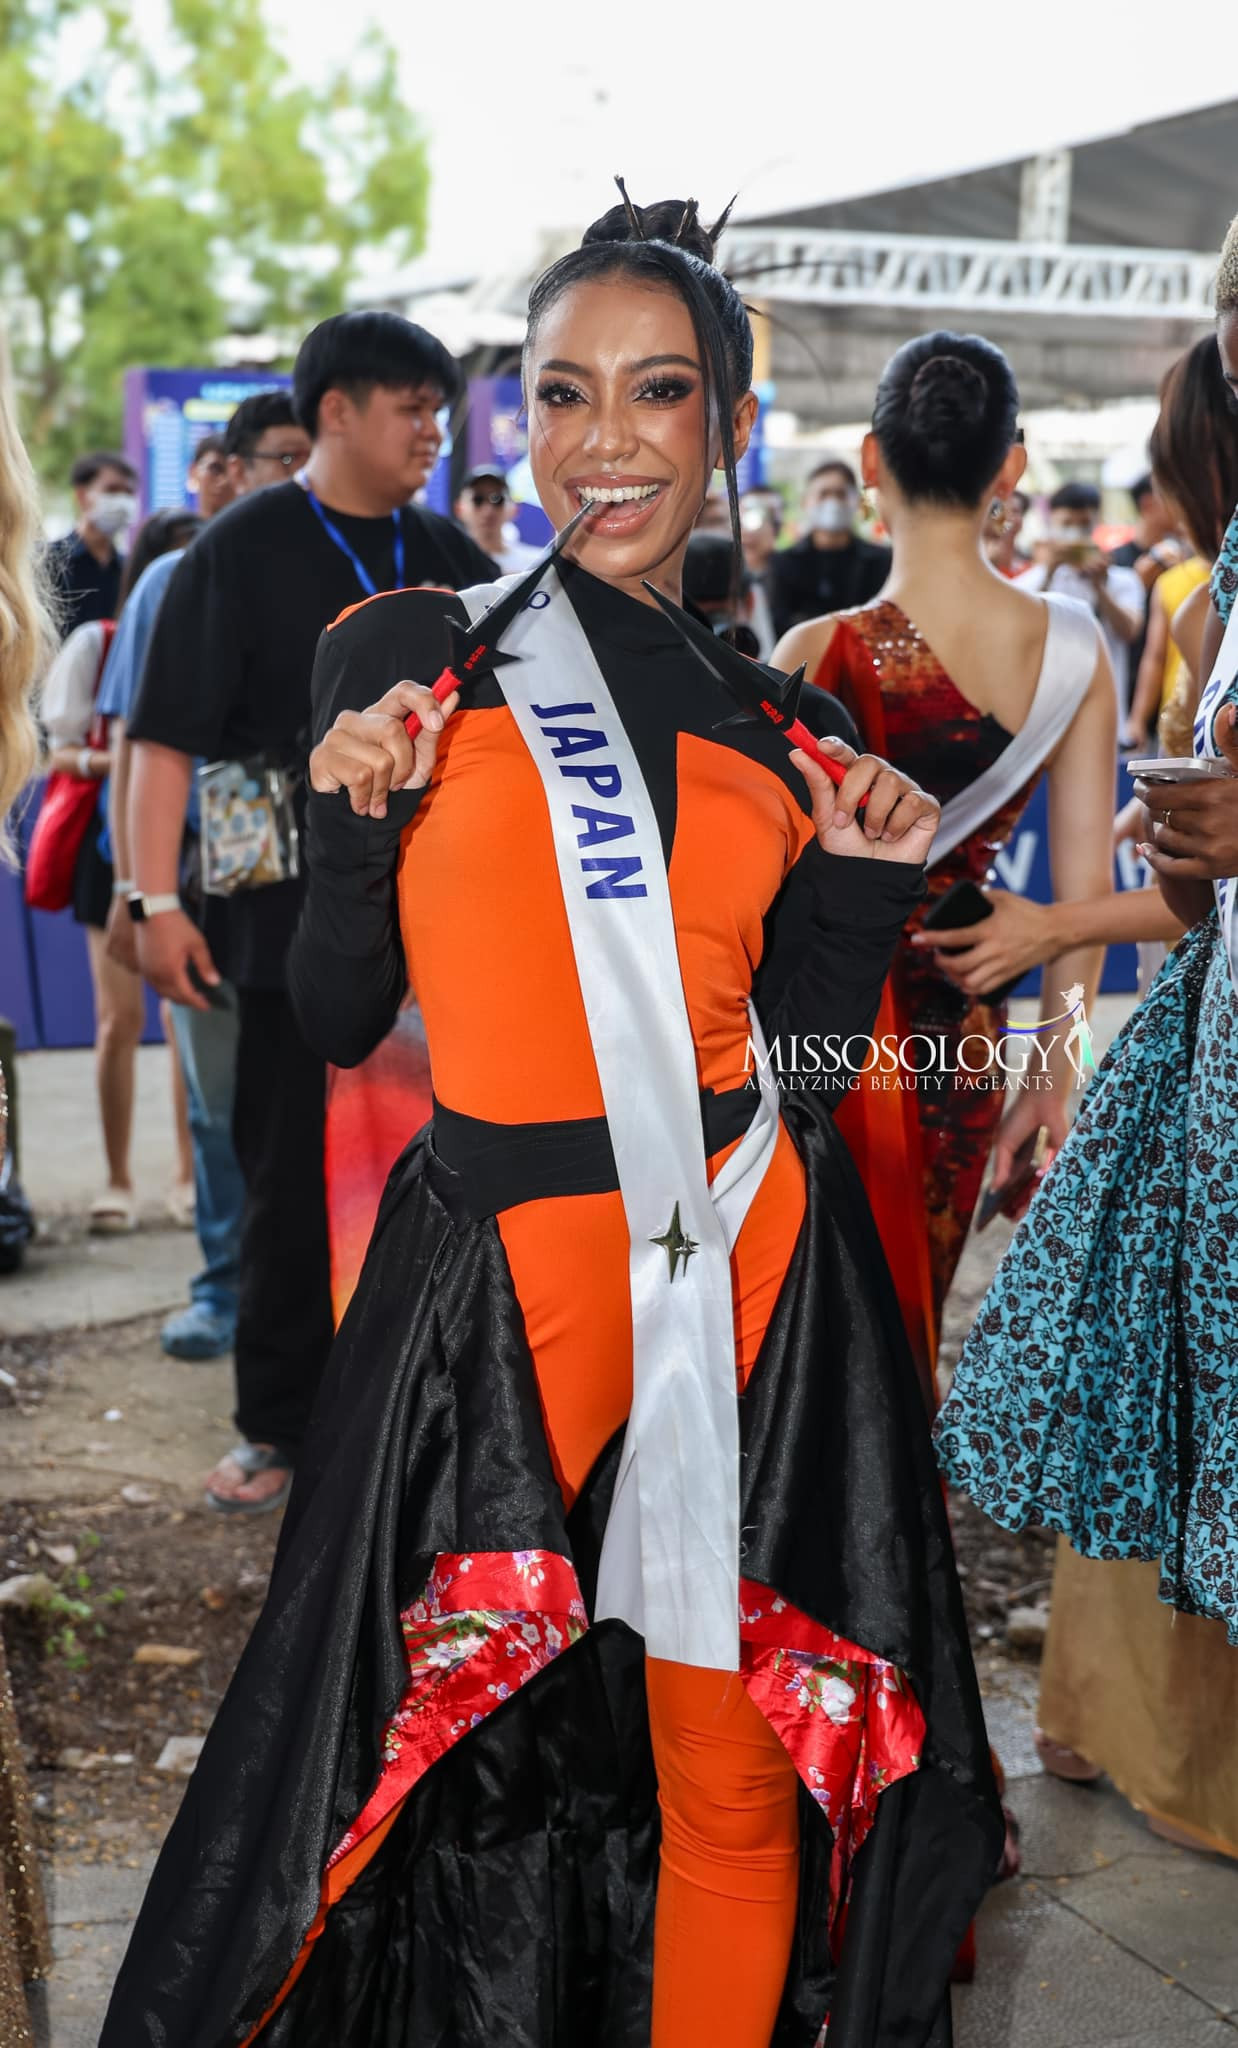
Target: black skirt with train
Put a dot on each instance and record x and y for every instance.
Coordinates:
(426, 1815)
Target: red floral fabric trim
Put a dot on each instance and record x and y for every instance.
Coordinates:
(482, 1627)
(847, 1718)
(486, 1623)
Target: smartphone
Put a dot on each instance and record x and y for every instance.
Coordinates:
(966, 904)
(1179, 768)
(213, 993)
(1011, 1197)
(1079, 552)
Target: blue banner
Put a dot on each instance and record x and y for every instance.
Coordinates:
(1024, 869)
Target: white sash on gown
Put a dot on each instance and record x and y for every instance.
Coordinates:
(670, 1557)
(1072, 643)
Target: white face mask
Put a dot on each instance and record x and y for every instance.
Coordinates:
(833, 515)
(113, 511)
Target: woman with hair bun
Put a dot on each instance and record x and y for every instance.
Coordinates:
(613, 1685)
(977, 689)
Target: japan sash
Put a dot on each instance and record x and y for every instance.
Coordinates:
(670, 1558)
(1221, 684)
(1069, 662)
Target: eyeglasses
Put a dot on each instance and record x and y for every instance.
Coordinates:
(481, 498)
(285, 461)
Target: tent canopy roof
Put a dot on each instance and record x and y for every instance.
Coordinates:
(1168, 184)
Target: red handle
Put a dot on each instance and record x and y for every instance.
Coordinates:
(442, 688)
(798, 734)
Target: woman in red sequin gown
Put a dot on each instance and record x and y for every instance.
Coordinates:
(944, 667)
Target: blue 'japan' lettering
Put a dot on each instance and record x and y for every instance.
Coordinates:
(601, 826)
(613, 882)
(573, 739)
(616, 873)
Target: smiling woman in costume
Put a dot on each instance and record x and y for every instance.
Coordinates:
(550, 1597)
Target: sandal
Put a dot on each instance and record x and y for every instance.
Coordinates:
(114, 1213)
(250, 1460)
(1063, 1762)
(181, 1204)
(1012, 1855)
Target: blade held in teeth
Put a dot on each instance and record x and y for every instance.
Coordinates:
(764, 693)
(476, 652)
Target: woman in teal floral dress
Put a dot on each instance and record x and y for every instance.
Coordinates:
(1098, 1391)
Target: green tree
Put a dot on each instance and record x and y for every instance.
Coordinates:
(158, 192)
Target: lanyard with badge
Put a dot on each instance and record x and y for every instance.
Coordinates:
(249, 835)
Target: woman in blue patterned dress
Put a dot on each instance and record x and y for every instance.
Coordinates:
(1097, 1393)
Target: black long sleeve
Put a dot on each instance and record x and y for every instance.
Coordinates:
(830, 938)
(346, 972)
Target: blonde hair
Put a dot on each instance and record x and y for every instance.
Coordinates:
(27, 633)
(1226, 288)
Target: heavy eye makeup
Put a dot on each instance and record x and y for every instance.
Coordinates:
(554, 393)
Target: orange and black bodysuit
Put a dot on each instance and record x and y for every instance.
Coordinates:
(482, 1777)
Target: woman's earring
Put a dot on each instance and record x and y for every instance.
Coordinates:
(999, 518)
(868, 511)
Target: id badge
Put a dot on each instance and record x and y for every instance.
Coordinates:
(248, 827)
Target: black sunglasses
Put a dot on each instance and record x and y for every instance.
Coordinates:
(481, 498)
(284, 461)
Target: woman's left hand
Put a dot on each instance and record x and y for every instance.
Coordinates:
(1019, 935)
(900, 822)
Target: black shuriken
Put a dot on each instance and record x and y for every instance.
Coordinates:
(475, 650)
(675, 1243)
(766, 695)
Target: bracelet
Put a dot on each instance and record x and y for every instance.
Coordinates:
(84, 769)
(123, 888)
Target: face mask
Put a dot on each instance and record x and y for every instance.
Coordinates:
(112, 511)
(833, 515)
(1078, 536)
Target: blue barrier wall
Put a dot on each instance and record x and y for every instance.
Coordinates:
(44, 976)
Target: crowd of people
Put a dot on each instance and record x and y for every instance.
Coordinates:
(507, 1439)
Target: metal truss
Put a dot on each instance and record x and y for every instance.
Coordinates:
(828, 267)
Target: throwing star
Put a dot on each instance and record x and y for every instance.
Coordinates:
(675, 1243)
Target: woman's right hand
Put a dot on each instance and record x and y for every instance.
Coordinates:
(370, 754)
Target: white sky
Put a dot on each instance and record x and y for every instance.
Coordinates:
(532, 107)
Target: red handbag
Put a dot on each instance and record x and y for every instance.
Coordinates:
(69, 803)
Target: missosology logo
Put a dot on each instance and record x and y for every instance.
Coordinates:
(927, 1060)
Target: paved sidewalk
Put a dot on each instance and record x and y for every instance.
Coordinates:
(71, 1280)
(1110, 1939)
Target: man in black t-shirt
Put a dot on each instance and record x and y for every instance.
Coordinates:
(831, 568)
(227, 677)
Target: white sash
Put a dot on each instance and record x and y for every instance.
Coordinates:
(1220, 683)
(670, 1559)
(1072, 643)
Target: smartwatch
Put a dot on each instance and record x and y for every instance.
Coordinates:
(142, 907)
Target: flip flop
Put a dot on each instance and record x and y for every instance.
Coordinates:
(114, 1213)
(252, 1459)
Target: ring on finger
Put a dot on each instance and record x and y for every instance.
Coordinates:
(1167, 818)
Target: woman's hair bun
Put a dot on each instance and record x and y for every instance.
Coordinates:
(945, 416)
(676, 221)
(947, 397)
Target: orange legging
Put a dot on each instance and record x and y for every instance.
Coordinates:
(726, 1787)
